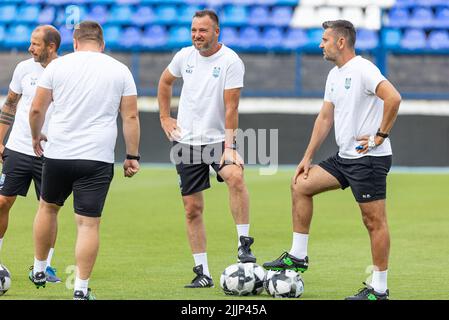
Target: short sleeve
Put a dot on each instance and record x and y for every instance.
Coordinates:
(16, 81)
(327, 90)
(371, 78)
(46, 79)
(235, 75)
(129, 88)
(175, 66)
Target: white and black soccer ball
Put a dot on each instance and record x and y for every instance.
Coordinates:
(284, 284)
(242, 279)
(5, 279)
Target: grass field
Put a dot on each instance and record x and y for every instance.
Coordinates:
(144, 252)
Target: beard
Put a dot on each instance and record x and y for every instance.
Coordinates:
(43, 57)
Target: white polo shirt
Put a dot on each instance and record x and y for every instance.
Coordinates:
(87, 90)
(201, 111)
(358, 111)
(24, 81)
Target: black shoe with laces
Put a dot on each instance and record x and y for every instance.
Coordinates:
(39, 279)
(201, 280)
(368, 293)
(79, 295)
(287, 262)
(244, 251)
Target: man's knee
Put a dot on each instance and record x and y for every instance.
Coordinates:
(374, 222)
(193, 209)
(235, 180)
(6, 203)
(302, 187)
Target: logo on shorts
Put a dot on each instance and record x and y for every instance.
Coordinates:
(2, 180)
(180, 182)
(366, 196)
(189, 69)
(216, 72)
(348, 83)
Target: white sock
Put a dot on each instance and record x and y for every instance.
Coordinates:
(201, 258)
(1, 241)
(379, 281)
(39, 266)
(81, 285)
(50, 256)
(299, 245)
(242, 230)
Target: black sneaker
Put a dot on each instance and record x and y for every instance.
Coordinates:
(201, 280)
(79, 295)
(244, 252)
(39, 279)
(287, 261)
(368, 293)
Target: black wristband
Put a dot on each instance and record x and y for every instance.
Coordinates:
(382, 134)
(131, 157)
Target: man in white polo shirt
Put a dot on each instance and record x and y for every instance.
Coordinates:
(363, 105)
(20, 164)
(88, 89)
(203, 134)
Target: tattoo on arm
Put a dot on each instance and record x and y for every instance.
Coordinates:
(9, 109)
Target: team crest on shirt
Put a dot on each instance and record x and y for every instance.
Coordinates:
(216, 72)
(348, 83)
(33, 81)
(2, 180)
(189, 69)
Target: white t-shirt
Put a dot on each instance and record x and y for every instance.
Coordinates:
(87, 90)
(358, 111)
(24, 82)
(201, 112)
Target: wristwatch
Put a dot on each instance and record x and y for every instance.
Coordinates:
(131, 157)
(382, 134)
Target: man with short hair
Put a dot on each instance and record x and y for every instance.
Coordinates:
(204, 134)
(88, 89)
(20, 164)
(363, 105)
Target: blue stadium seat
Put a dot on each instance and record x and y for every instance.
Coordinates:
(240, 2)
(166, 14)
(431, 3)
(154, 37)
(186, 13)
(295, 39)
(230, 37)
(7, 13)
(438, 39)
(47, 15)
(66, 38)
(266, 2)
(130, 38)
(179, 37)
(104, 2)
(367, 39)
(315, 36)
(34, 1)
(414, 39)
(391, 38)
(18, 36)
(398, 17)
(143, 15)
(2, 33)
(281, 16)
(421, 18)
(120, 14)
(272, 38)
(287, 2)
(259, 15)
(197, 2)
(441, 18)
(405, 3)
(98, 13)
(234, 15)
(127, 2)
(112, 36)
(27, 14)
(250, 38)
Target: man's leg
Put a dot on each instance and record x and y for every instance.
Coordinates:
(375, 219)
(303, 190)
(5, 205)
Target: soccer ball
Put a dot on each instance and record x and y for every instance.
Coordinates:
(284, 284)
(5, 279)
(242, 279)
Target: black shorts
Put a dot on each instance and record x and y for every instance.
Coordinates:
(89, 180)
(367, 176)
(192, 165)
(17, 172)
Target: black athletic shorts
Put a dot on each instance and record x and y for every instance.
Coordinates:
(367, 176)
(17, 172)
(89, 180)
(192, 165)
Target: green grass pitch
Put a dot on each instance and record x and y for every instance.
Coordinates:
(144, 252)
